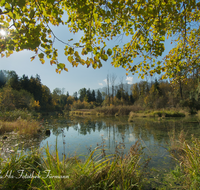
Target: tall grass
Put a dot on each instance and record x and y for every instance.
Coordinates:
(187, 154)
(98, 171)
(163, 114)
(198, 115)
(15, 114)
(21, 126)
(119, 110)
(16, 170)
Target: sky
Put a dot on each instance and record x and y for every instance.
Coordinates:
(76, 77)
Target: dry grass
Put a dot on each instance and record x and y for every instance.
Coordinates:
(198, 115)
(21, 126)
(187, 154)
(84, 112)
(118, 110)
(160, 113)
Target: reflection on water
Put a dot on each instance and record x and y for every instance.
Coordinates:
(78, 136)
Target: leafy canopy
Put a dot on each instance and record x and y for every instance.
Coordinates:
(147, 23)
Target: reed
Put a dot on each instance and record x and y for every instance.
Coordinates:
(186, 175)
(98, 171)
(21, 126)
(119, 110)
(15, 114)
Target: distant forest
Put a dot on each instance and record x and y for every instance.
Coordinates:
(31, 94)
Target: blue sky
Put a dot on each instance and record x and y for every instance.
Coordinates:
(73, 80)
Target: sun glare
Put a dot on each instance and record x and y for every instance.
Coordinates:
(2, 32)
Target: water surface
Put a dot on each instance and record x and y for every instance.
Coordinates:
(76, 136)
(79, 136)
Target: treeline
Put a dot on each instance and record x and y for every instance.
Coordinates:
(30, 93)
(24, 92)
(159, 94)
(166, 95)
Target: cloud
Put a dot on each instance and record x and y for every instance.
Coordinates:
(101, 84)
(105, 80)
(130, 80)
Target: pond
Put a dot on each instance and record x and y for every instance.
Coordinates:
(76, 136)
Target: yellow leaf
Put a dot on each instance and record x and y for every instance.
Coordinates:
(76, 53)
(52, 62)
(59, 72)
(2, 55)
(42, 60)
(56, 70)
(66, 69)
(70, 59)
(49, 36)
(32, 58)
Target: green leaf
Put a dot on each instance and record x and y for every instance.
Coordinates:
(109, 52)
(76, 44)
(41, 55)
(71, 51)
(61, 66)
(2, 2)
(76, 54)
(162, 38)
(7, 6)
(104, 57)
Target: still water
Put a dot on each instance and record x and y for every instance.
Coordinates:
(77, 136)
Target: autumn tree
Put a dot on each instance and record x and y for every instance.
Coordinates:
(46, 100)
(108, 88)
(135, 91)
(145, 23)
(70, 100)
(112, 80)
(7, 100)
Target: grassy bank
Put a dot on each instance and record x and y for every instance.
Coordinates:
(107, 111)
(15, 114)
(132, 111)
(102, 171)
(20, 121)
(83, 112)
(20, 126)
(161, 114)
(98, 171)
(186, 175)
